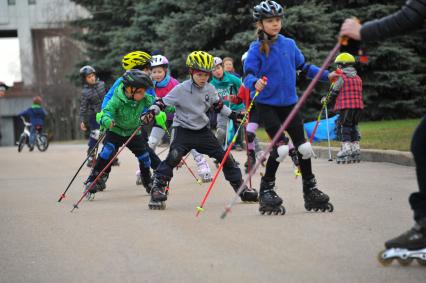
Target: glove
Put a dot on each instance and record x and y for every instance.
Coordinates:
(160, 119)
(236, 117)
(148, 116)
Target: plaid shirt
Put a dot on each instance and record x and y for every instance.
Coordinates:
(350, 95)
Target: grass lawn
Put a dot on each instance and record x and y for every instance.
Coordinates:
(394, 134)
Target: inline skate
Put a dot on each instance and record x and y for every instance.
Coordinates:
(315, 199)
(269, 201)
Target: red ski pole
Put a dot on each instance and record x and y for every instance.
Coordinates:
(234, 138)
(284, 126)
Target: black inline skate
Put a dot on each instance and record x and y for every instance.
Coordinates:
(406, 247)
(248, 194)
(269, 201)
(99, 186)
(251, 159)
(159, 193)
(315, 199)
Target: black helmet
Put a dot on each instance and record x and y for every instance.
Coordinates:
(85, 71)
(137, 79)
(267, 9)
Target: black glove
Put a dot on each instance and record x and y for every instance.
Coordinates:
(148, 117)
(236, 117)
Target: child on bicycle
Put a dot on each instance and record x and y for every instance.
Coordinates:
(92, 94)
(121, 117)
(35, 115)
(192, 99)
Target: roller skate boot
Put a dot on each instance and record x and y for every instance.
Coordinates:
(406, 247)
(158, 193)
(102, 182)
(345, 154)
(251, 160)
(356, 152)
(247, 194)
(91, 188)
(269, 201)
(116, 162)
(203, 169)
(315, 199)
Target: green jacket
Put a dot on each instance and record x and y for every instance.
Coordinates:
(229, 84)
(125, 113)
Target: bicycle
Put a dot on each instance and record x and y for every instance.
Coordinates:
(41, 140)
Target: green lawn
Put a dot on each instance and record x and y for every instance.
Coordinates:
(394, 134)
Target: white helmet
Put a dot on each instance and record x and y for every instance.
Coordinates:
(217, 61)
(159, 60)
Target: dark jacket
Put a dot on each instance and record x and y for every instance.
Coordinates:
(91, 100)
(35, 114)
(409, 17)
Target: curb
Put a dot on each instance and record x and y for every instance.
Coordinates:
(373, 155)
(404, 158)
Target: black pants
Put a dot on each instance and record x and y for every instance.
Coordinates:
(418, 148)
(348, 123)
(272, 117)
(203, 141)
(112, 142)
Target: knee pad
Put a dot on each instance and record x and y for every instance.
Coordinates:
(282, 152)
(174, 157)
(305, 149)
(94, 134)
(250, 137)
(144, 159)
(107, 151)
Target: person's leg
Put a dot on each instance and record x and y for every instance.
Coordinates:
(222, 128)
(203, 167)
(155, 137)
(139, 147)
(31, 139)
(112, 143)
(208, 144)
(345, 152)
(164, 172)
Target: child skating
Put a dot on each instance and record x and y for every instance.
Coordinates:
(121, 117)
(347, 91)
(192, 99)
(92, 94)
(164, 83)
(278, 58)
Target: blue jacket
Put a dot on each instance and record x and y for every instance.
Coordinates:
(280, 68)
(35, 114)
(149, 91)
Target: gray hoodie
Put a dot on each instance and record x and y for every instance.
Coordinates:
(348, 71)
(192, 103)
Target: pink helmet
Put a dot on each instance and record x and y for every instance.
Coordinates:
(159, 60)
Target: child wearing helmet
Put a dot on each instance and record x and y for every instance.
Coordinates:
(192, 99)
(227, 86)
(121, 117)
(279, 59)
(164, 83)
(347, 91)
(35, 115)
(92, 94)
(140, 60)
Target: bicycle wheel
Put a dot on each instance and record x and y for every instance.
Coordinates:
(42, 142)
(21, 143)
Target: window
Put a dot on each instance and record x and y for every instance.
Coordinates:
(31, 2)
(11, 2)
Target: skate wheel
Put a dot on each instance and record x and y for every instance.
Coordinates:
(421, 261)
(316, 209)
(269, 212)
(308, 208)
(384, 261)
(323, 209)
(262, 211)
(330, 207)
(404, 261)
(282, 210)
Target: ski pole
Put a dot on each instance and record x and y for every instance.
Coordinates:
(247, 151)
(284, 125)
(328, 135)
(81, 166)
(105, 168)
(234, 138)
(317, 123)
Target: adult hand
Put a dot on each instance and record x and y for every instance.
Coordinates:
(351, 28)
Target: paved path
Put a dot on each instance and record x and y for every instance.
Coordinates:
(116, 238)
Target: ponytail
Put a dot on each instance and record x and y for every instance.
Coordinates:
(265, 40)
